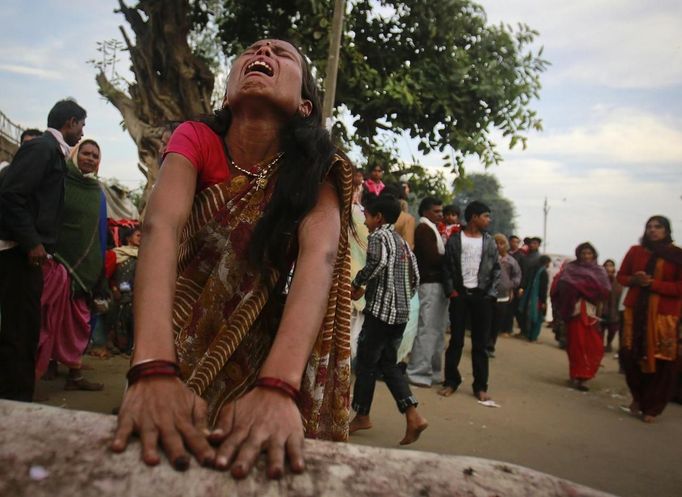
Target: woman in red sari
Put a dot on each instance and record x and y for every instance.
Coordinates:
(649, 349)
(242, 288)
(582, 287)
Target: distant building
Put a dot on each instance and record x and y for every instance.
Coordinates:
(9, 138)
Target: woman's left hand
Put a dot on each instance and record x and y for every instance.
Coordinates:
(263, 420)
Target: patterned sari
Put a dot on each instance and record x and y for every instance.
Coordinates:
(222, 305)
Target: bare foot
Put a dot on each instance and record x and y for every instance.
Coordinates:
(634, 408)
(415, 426)
(80, 383)
(359, 423)
(446, 391)
(648, 419)
(100, 352)
(579, 385)
(482, 396)
(52, 371)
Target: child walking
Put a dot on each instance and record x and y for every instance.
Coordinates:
(391, 276)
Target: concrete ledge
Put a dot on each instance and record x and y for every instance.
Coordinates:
(71, 447)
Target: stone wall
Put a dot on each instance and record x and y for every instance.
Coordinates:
(46, 451)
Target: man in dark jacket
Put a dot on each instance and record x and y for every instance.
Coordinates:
(472, 271)
(31, 201)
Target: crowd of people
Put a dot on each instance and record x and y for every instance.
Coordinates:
(470, 279)
(266, 264)
(52, 197)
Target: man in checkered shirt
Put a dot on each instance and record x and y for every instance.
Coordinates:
(392, 277)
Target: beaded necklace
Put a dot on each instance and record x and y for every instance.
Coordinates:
(261, 176)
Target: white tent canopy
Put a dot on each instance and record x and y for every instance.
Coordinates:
(119, 204)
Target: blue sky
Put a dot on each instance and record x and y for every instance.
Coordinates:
(610, 154)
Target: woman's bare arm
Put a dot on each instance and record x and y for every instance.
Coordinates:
(162, 409)
(169, 206)
(266, 418)
(318, 238)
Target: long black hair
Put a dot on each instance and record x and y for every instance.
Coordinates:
(308, 151)
(666, 226)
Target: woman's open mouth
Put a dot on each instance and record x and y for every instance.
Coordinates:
(260, 66)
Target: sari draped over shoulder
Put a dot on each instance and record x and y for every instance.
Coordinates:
(222, 304)
(648, 331)
(580, 290)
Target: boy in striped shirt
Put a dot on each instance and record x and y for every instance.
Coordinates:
(392, 277)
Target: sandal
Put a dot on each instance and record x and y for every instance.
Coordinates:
(81, 383)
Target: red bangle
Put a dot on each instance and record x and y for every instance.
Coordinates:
(157, 367)
(281, 385)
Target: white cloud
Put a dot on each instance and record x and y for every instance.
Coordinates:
(614, 43)
(31, 71)
(620, 135)
(607, 206)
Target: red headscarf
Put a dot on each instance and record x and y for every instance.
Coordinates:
(586, 280)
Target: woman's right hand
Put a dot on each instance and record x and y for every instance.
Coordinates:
(165, 410)
(640, 278)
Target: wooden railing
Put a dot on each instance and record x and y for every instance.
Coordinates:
(8, 130)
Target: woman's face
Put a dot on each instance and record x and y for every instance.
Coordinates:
(135, 238)
(586, 255)
(655, 231)
(610, 268)
(88, 158)
(268, 71)
(501, 247)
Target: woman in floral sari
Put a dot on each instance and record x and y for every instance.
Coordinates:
(649, 347)
(582, 287)
(242, 285)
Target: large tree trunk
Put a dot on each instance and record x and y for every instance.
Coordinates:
(171, 82)
(48, 452)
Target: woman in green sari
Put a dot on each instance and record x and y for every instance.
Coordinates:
(534, 300)
(75, 273)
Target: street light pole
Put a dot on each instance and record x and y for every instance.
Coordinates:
(333, 61)
(545, 211)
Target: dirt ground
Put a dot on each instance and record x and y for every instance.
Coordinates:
(541, 424)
